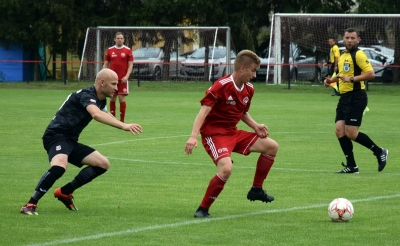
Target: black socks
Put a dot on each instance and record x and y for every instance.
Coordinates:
(347, 148)
(85, 176)
(365, 141)
(46, 182)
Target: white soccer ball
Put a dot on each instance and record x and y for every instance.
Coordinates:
(341, 210)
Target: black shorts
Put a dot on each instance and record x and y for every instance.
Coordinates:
(331, 69)
(351, 106)
(59, 144)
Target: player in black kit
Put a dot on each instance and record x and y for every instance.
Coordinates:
(61, 140)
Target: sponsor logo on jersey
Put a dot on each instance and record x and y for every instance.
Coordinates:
(230, 101)
(113, 54)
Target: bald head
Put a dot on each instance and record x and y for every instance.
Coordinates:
(106, 83)
(106, 74)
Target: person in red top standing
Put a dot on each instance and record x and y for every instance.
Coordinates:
(227, 102)
(119, 58)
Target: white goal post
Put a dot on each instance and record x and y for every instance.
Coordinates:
(159, 52)
(379, 32)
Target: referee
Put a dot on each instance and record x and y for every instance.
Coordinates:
(334, 55)
(353, 69)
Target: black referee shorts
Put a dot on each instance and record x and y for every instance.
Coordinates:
(331, 69)
(351, 106)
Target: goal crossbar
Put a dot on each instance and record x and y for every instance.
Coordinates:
(98, 51)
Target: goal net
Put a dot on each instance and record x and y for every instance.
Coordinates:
(299, 44)
(163, 53)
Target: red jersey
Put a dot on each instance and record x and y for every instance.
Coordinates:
(119, 58)
(228, 104)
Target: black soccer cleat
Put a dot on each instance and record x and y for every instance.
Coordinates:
(260, 195)
(348, 169)
(202, 213)
(382, 158)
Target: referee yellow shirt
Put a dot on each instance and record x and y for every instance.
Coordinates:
(346, 68)
(333, 52)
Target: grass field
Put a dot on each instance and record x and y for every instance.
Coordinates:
(151, 191)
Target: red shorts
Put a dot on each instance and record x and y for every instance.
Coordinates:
(220, 146)
(123, 88)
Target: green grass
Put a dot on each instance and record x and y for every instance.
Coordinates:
(150, 193)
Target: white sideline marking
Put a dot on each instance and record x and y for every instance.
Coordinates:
(198, 221)
(235, 166)
(211, 164)
(179, 136)
(136, 139)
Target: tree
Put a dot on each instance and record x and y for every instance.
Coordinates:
(23, 30)
(326, 6)
(244, 17)
(389, 29)
(57, 24)
(163, 13)
(309, 6)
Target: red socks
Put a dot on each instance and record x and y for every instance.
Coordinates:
(112, 108)
(122, 109)
(217, 183)
(214, 188)
(264, 164)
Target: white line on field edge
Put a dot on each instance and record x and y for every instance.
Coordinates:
(235, 166)
(187, 136)
(137, 139)
(198, 221)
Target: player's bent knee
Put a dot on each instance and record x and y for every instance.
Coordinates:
(227, 171)
(225, 168)
(271, 147)
(97, 160)
(105, 164)
(60, 160)
(275, 147)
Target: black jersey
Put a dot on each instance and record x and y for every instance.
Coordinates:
(72, 117)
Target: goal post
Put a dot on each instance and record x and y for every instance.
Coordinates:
(171, 42)
(380, 32)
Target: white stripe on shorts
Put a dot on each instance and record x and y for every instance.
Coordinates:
(212, 147)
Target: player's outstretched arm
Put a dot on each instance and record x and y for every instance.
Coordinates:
(133, 128)
(105, 118)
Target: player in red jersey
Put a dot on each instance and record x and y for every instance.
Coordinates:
(120, 59)
(224, 105)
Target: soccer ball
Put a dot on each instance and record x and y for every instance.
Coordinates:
(340, 210)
